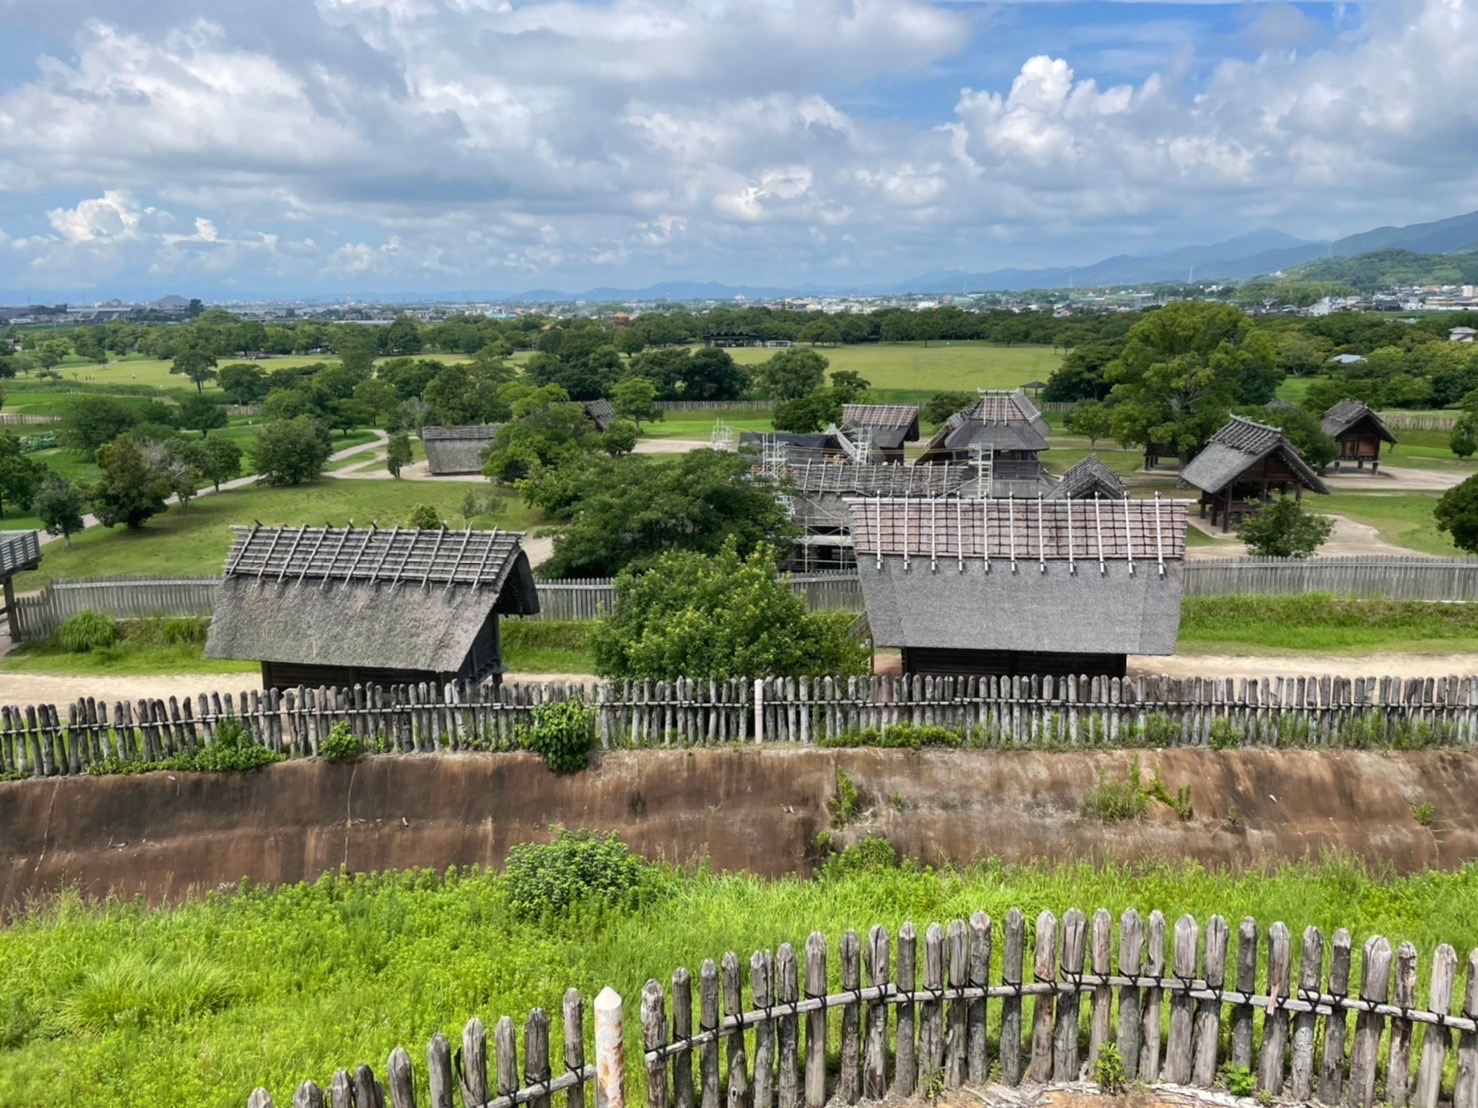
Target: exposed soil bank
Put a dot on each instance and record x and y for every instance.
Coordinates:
(160, 833)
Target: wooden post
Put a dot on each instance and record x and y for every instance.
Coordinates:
(1310, 968)
(682, 1030)
(1275, 1023)
(341, 1090)
(367, 1090)
(610, 1072)
(1435, 1040)
(1208, 1012)
(1012, 962)
(788, 1084)
(573, 1022)
(1044, 967)
(260, 1098)
(738, 1090)
(976, 1051)
(875, 1060)
(400, 1079)
(1131, 953)
(309, 1095)
(957, 941)
(439, 1079)
(904, 1056)
(1154, 966)
(1246, 984)
(1398, 1066)
(1103, 995)
(505, 1054)
(764, 1031)
(654, 1037)
(1465, 1088)
(1375, 978)
(708, 1021)
(931, 1014)
(474, 1064)
(536, 1070)
(1069, 1004)
(816, 1021)
(1182, 1007)
(1331, 1069)
(850, 1085)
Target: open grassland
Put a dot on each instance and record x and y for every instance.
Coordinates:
(1404, 518)
(155, 371)
(909, 372)
(698, 425)
(1325, 624)
(546, 645)
(122, 1006)
(193, 541)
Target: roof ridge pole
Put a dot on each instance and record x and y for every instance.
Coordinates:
(1128, 534)
(933, 534)
(1098, 526)
(960, 532)
(1042, 537)
(267, 557)
(984, 533)
(363, 546)
(457, 565)
(486, 554)
(1011, 514)
(877, 538)
(389, 546)
(236, 562)
(291, 550)
(308, 561)
(1072, 565)
(905, 533)
(1159, 534)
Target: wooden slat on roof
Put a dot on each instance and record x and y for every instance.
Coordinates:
(879, 415)
(346, 554)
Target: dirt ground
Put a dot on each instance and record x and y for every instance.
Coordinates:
(1393, 479)
(1348, 538)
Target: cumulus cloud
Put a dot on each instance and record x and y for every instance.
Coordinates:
(461, 143)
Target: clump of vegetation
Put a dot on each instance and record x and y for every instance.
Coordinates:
(562, 732)
(1284, 528)
(1108, 1070)
(340, 744)
(1115, 801)
(1223, 735)
(1179, 802)
(87, 630)
(844, 803)
(424, 516)
(900, 736)
(873, 854)
(576, 867)
(1422, 811)
(231, 750)
(1238, 1080)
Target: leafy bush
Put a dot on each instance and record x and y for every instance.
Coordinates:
(1115, 801)
(1284, 529)
(87, 630)
(897, 736)
(231, 750)
(874, 854)
(1422, 811)
(1239, 1080)
(563, 732)
(1224, 736)
(575, 867)
(424, 516)
(1108, 1070)
(844, 803)
(340, 744)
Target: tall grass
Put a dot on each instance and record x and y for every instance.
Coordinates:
(547, 645)
(116, 1004)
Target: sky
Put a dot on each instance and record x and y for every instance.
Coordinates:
(340, 147)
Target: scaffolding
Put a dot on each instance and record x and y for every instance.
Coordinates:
(724, 437)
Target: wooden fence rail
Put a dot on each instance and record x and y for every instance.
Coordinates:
(715, 405)
(1394, 578)
(1411, 421)
(957, 1013)
(1332, 712)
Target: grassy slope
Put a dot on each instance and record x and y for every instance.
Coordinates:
(194, 541)
(546, 646)
(127, 1007)
(1325, 624)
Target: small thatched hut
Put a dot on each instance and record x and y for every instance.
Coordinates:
(1089, 479)
(1242, 466)
(1003, 428)
(340, 606)
(456, 450)
(1358, 432)
(976, 587)
(601, 413)
(888, 425)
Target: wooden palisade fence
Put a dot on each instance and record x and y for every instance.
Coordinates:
(978, 1005)
(43, 740)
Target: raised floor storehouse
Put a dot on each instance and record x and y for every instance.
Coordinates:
(1006, 587)
(1244, 464)
(453, 450)
(1357, 433)
(341, 606)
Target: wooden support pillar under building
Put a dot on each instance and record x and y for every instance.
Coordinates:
(11, 623)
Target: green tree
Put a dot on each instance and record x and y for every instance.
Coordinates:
(1457, 514)
(1090, 419)
(850, 386)
(425, 518)
(716, 616)
(619, 438)
(1284, 528)
(291, 451)
(20, 476)
(220, 460)
(92, 421)
(809, 413)
(820, 332)
(129, 490)
(403, 336)
(380, 397)
(1463, 440)
(790, 374)
(195, 363)
(1301, 428)
(636, 399)
(59, 505)
(398, 453)
(545, 430)
(199, 413)
(942, 405)
(625, 511)
(629, 341)
(243, 383)
(50, 353)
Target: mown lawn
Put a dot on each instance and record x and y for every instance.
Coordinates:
(1404, 518)
(122, 1006)
(193, 541)
(546, 646)
(1326, 624)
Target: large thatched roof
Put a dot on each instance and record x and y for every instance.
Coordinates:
(1240, 446)
(891, 425)
(999, 421)
(397, 599)
(451, 450)
(1347, 413)
(1088, 479)
(1084, 576)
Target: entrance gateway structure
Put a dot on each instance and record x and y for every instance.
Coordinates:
(338, 607)
(1006, 587)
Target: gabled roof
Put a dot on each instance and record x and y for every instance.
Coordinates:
(891, 425)
(397, 599)
(880, 479)
(1237, 447)
(1088, 479)
(601, 412)
(1344, 415)
(998, 420)
(451, 450)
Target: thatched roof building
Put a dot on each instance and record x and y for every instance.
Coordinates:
(340, 606)
(1358, 433)
(1089, 479)
(1010, 586)
(1006, 429)
(1243, 464)
(456, 450)
(601, 413)
(889, 425)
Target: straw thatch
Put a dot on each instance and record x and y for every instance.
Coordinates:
(456, 450)
(1053, 577)
(1349, 415)
(1001, 422)
(1089, 479)
(601, 413)
(1244, 449)
(891, 425)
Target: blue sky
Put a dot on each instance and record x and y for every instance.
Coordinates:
(412, 146)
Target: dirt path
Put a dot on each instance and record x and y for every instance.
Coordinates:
(1395, 479)
(669, 446)
(1348, 538)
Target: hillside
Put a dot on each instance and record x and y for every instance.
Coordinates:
(1385, 269)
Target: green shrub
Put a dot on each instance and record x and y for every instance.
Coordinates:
(874, 854)
(564, 733)
(340, 744)
(1422, 811)
(87, 630)
(1224, 736)
(425, 517)
(575, 867)
(906, 736)
(1115, 801)
(1108, 1070)
(1239, 1080)
(232, 749)
(844, 803)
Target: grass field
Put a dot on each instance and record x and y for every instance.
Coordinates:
(155, 371)
(546, 646)
(194, 541)
(1324, 623)
(121, 1006)
(1404, 518)
(908, 372)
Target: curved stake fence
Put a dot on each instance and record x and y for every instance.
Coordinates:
(44, 741)
(969, 1009)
